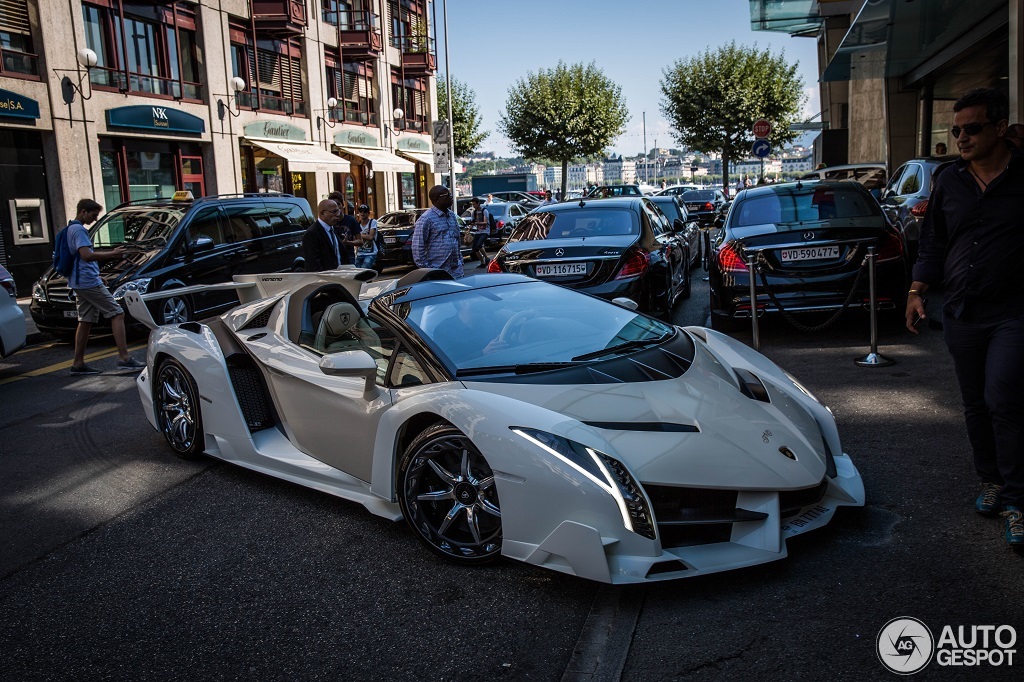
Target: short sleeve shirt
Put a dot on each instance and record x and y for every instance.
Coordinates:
(86, 274)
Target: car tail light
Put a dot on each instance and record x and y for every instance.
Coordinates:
(493, 266)
(729, 259)
(708, 206)
(500, 224)
(636, 264)
(890, 247)
(918, 210)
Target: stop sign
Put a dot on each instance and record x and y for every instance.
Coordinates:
(762, 128)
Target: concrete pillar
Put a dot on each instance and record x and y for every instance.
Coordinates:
(901, 123)
(1016, 54)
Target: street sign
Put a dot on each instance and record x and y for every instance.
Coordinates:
(761, 148)
(441, 133)
(442, 162)
(762, 128)
(693, 169)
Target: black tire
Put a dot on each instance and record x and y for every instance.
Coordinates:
(448, 496)
(723, 323)
(178, 413)
(174, 310)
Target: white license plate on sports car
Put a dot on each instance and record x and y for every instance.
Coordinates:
(390, 240)
(71, 314)
(561, 269)
(810, 253)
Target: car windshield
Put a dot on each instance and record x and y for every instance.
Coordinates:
(516, 327)
(137, 225)
(789, 208)
(402, 219)
(699, 195)
(575, 223)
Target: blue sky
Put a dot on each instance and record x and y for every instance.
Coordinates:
(493, 44)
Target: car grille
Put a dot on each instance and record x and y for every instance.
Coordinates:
(698, 516)
(58, 291)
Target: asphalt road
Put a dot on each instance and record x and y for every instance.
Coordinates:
(119, 561)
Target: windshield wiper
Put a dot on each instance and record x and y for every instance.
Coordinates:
(526, 368)
(628, 345)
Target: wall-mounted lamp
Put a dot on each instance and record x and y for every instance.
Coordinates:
(396, 116)
(68, 87)
(238, 85)
(331, 104)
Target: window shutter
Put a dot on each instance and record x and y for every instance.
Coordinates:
(270, 71)
(14, 17)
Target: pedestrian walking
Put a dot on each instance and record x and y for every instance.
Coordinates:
(436, 237)
(346, 228)
(320, 247)
(971, 242)
(366, 254)
(92, 298)
(481, 228)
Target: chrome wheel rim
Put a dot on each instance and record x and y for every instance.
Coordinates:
(452, 500)
(176, 408)
(175, 311)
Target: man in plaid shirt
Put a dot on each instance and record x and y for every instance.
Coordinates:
(437, 239)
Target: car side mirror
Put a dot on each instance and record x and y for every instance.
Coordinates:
(678, 225)
(201, 244)
(353, 363)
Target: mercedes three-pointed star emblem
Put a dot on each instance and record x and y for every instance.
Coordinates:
(808, 236)
(559, 252)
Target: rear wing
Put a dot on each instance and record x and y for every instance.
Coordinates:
(135, 302)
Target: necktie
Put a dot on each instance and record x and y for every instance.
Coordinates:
(334, 243)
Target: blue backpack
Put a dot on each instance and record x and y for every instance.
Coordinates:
(64, 259)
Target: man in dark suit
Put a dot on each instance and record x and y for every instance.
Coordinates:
(320, 245)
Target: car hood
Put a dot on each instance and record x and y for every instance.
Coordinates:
(114, 273)
(738, 440)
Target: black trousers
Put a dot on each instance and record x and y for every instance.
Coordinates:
(989, 361)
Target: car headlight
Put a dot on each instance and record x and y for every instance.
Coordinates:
(139, 285)
(39, 292)
(605, 472)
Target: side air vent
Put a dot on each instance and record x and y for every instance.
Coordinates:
(661, 427)
(751, 386)
(193, 327)
(251, 393)
(260, 321)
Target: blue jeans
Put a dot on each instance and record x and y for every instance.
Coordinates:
(365, 260)
(989, 361)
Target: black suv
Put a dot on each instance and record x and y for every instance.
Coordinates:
(173, 243)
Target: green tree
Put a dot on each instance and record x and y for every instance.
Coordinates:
(564, 114)
(713, 100)
(465, 114)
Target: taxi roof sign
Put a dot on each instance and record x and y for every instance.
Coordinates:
(182, 195)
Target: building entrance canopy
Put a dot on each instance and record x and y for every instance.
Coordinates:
(304, 158)
(381, 159)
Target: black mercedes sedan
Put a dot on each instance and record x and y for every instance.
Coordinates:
(709, 206)
(397, 227)
(674, 210)
(809, 241)
(616, 247)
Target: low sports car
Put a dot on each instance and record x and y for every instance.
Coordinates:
(500, 415)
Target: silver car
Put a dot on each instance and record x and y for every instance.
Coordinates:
(12, 318)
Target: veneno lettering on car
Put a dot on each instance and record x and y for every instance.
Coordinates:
(809, 253)
(561, 269)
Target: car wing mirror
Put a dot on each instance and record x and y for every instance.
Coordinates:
(201, 244)
(353, 363)
(678, 225)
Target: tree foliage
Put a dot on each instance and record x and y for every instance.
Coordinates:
(564, 114)
(713, 100)
(465, 115)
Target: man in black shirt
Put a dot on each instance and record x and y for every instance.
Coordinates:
(972, 240)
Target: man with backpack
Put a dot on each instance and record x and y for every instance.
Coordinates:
(92, 298)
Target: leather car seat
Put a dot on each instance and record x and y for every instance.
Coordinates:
(336, 320)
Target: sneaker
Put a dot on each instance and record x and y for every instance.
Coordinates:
(987, 503)
(130, 363)
(84, 369)
(1014, 525)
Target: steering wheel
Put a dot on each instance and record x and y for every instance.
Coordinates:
(513, 328)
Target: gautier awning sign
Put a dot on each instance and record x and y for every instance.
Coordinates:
(13, 105)
(155, 118)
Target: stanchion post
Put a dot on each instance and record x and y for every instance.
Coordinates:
(705, 237)
(873, 358)
(753, 302)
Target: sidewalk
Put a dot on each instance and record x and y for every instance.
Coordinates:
(32, 333)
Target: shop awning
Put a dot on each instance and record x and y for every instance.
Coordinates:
(305, 158)
(381, 159)
(421, 157)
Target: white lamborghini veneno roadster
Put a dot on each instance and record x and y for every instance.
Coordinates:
(505, 416)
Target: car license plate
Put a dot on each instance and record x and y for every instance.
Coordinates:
(810, 253)
(561, 269)
(71, 314)
(390, 240)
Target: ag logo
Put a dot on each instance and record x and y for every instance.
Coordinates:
(905, 645)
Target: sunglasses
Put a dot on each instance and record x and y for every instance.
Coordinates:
(971, 129)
